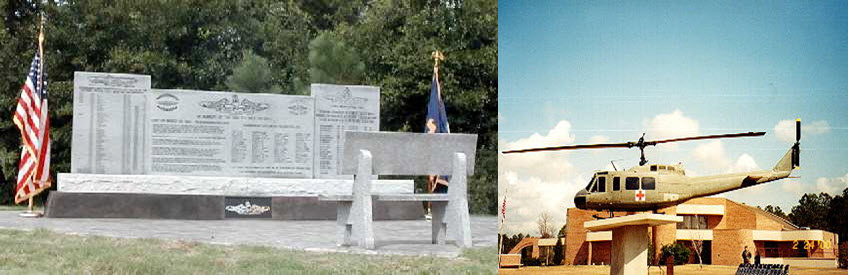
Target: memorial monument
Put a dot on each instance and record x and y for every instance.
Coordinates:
(169, 153)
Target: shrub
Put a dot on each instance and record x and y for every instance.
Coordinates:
(678, 250)
(558, 249)
(843, 255)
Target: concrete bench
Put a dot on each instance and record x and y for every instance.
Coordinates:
(368, 154)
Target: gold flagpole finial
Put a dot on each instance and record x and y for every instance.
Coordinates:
(437, 56)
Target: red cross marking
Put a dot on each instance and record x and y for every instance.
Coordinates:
(640, 196)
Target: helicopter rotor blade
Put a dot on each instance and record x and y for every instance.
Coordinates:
(572, 147)
(748, 134)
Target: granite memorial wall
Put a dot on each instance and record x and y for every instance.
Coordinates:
(123, 126)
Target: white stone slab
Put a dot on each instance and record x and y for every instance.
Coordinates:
(340, 108)
(109, 123)
(205, 133)
(225, 186)
(647, 219)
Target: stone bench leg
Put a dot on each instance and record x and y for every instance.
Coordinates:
(438, 209)
(343, 225)
(363, 228)
(459, 222)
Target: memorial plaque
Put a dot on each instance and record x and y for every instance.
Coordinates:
(109, 123)
(340, 108)
(230, 134)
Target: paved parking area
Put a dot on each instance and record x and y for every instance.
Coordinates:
(409, 237)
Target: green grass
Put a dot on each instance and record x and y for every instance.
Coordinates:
(45, 252)
(20, 207)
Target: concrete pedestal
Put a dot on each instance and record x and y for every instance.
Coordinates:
(630, 240)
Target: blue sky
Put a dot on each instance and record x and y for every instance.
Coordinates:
(612, 70)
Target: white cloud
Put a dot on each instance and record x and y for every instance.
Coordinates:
(547, 166)
(745, 163)
(833, 186)
(792, 186)
(670, 125)
(537, 182)
(598, 139)
(785, 129)
(713, 155)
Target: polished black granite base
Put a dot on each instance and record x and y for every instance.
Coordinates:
(208, 207)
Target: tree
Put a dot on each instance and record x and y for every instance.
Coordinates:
(836, 215)
(201, 44)
(545, 226)
(252, 75)
(333, 61)
(396, 39)
(327, 14)
(776, 211)
(812, 211)
(678, 250)
(558, 252)
(698, 246)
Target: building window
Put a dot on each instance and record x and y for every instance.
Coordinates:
(693, 222)
(631, 183)
(602, 184)
(616, 183)
(653, 168)
(648, 183)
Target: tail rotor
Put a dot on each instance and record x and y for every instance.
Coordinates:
(796, 149)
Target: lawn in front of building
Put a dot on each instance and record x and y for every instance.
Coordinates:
(680, 269)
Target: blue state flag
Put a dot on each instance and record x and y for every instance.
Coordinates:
(437, 122)
(437, 118)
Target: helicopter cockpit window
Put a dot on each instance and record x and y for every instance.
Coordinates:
(602, 184)
(589, 186)
(653, 168)
(648, 183)
(631, 183)
(616, 183)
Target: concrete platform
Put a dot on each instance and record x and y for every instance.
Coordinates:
(397, 237)
(647, 219)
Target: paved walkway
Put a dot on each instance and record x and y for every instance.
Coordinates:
(393, 237)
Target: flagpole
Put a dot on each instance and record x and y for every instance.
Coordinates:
(500, 227)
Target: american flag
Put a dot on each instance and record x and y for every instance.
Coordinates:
(503, 209)
(31, 118)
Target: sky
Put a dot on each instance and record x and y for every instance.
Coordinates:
(588, 72)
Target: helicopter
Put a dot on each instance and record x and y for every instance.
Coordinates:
(650, 187)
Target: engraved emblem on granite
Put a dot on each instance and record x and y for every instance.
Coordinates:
(167, 102)
(248, 209)
(344, 97)
(235, 106)
(298, 107)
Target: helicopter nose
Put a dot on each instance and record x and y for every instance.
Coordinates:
(580, 199)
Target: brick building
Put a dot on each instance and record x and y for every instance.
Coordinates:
(724, 226)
